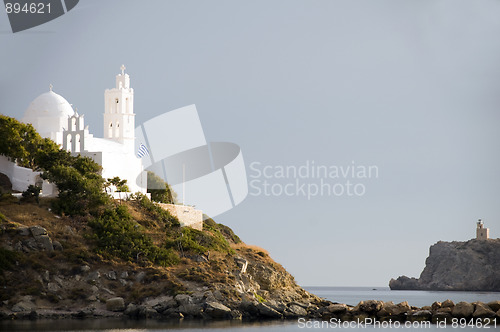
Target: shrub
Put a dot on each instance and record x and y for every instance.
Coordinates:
(117, 234)
(33, 192)
(157, 212)
(198, 242)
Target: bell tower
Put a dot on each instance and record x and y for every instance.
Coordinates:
(119, 117)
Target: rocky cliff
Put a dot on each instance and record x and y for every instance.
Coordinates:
(64, 275)
(459, 266)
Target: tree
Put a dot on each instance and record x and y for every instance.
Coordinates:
(119, 184)
(78, 179)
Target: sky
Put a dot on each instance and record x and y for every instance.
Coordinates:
(410, 88)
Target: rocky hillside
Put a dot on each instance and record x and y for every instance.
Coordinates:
(66, 270)
(459, 266)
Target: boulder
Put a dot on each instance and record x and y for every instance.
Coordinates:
(463, 310)
(164, 305)
(295, 311)
(446, 309)
(494, 305)
(23, 306)
(436, 305)
(447, 304)
(235, 315)
(23, 231)
(482, 310)
(217, 310)
(57, 245)
(194, 310)
(37, 231)
(337, 308)
(183, 299)
(85, 268)
(421, 315)
(267, 311)
(115, 304)
(44, 242)
(370, 306)
(93, 276)
(111, 275)
(249, 307)
(390, 309)
(53, 287)
(131, 310)
(140, 276)
(441, 316)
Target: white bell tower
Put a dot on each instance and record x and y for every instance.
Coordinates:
(119, 117)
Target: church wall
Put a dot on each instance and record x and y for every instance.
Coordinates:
(125, 166)
(20, 177)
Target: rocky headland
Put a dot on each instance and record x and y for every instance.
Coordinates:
(457, 266)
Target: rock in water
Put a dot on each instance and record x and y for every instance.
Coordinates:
(463, 310)
(458, 266)
(217, 310)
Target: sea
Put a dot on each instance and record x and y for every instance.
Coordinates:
(348, 295)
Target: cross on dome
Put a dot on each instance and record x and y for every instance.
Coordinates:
(50, 87)
(123, 69)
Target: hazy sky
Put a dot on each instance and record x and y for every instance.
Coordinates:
(411, 87)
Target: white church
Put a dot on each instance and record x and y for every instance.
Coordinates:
(53, 117)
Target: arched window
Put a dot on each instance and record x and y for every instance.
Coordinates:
(117, 129)
(77, 143)
(68, 142)
(73, 124)
(116, 105)
(110, 130)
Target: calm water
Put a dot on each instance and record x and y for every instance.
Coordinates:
(349, 295)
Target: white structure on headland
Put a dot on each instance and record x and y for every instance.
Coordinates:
(481, 232)
(53, 117)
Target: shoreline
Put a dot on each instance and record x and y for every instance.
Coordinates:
(247, 312)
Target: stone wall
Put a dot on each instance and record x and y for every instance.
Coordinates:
(187, 215)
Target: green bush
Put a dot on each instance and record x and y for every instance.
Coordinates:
(117, 234)
(226, 231)
(157, 212)
(33, 192)
(198, 242)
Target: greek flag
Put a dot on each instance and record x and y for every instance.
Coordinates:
(143, 151)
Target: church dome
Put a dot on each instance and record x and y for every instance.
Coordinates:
(49, 104)
(48, 114)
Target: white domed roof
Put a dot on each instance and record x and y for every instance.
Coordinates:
(49, 104)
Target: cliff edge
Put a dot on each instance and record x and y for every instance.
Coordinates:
(457, 266)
